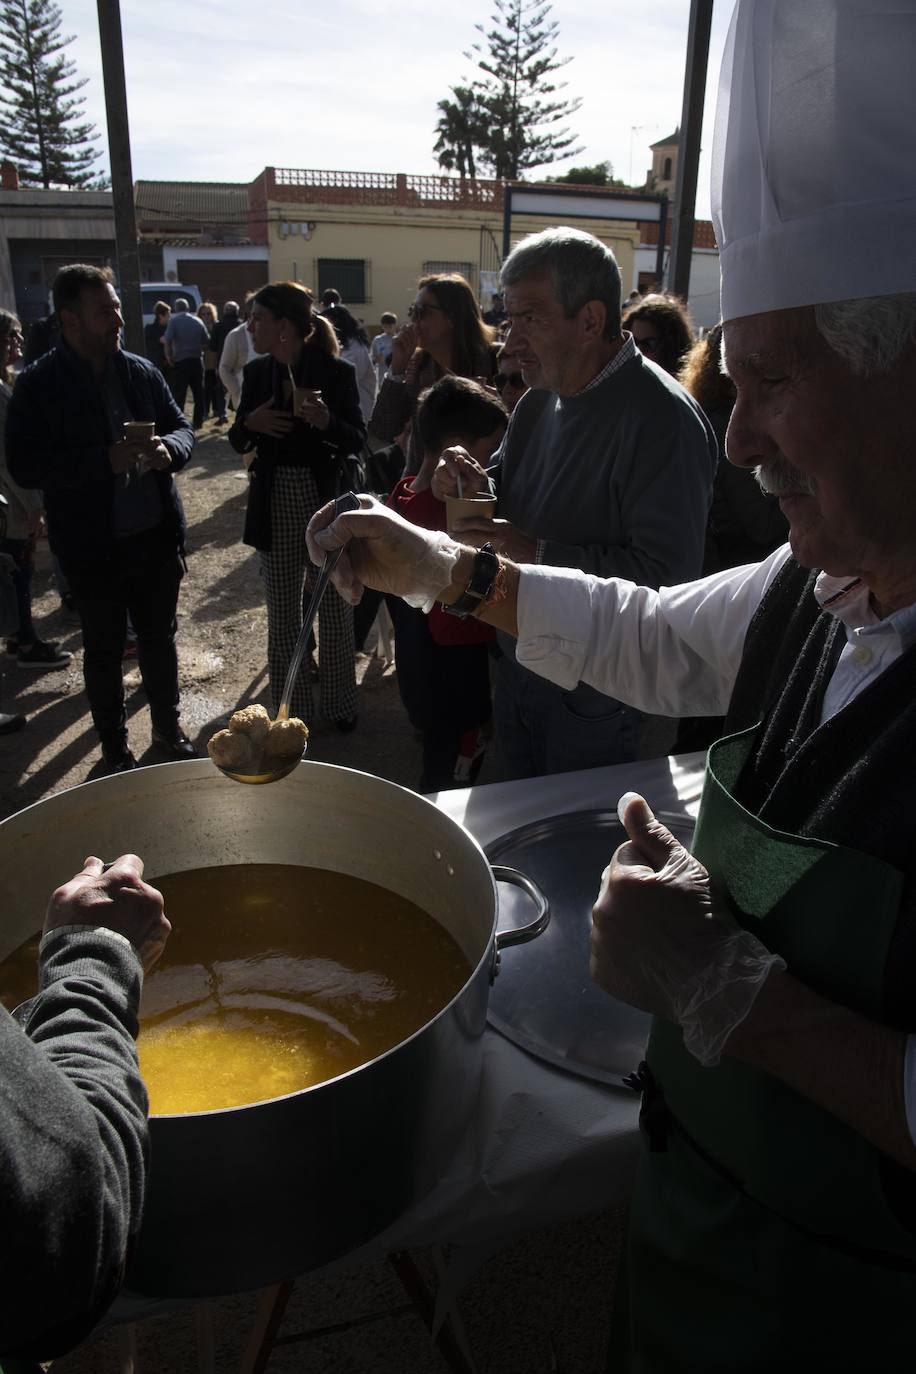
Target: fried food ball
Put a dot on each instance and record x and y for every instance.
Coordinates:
(234, 750)
(286, 740)
(253, 721)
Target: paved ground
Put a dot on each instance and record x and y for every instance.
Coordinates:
(542, 1305)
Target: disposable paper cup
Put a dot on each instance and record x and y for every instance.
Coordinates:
(138, 430)
(465, 507)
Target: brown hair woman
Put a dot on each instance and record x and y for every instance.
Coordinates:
(445, 333)
(299, 413)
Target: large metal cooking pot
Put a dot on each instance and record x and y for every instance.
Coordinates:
(245, 1197)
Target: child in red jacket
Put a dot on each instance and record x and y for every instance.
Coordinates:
(442, 661)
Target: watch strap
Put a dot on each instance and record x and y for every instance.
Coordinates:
(483, 575)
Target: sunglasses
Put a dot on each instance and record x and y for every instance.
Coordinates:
(650, 345)
(514, 379)
(416, 312)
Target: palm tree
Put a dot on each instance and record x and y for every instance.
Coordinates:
(458, 129)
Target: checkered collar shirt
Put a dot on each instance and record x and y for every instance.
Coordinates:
(620, 358)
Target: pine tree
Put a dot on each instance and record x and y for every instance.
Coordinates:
(39, 101)
(509, 109)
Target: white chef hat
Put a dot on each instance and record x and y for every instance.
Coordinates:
(814, 172)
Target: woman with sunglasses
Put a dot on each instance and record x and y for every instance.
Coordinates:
(509, 381)
(445, 335)
(661, 329)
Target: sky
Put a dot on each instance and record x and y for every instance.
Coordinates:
(219, 89)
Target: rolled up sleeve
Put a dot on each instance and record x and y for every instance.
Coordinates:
(670, 652)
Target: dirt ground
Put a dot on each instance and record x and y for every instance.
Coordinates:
(222, 644)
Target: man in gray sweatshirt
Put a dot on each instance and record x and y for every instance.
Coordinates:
(607, 466)
(74, 1140)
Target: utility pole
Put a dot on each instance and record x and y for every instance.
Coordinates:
(689, 150)
(122, 180)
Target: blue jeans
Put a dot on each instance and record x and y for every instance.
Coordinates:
(541, 729)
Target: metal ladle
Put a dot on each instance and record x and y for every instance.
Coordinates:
(348, 501)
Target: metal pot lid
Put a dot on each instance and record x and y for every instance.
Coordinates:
(543, 999)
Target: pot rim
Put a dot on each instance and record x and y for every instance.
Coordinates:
(203, 766)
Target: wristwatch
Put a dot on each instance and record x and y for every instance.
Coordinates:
(483, 575)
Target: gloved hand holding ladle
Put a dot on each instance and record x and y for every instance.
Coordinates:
(256, 749)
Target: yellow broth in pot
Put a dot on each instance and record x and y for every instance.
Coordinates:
(276, 978)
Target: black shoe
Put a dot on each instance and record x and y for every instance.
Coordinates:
(9, 725)
(42, 656)
(175, 743)
(118, 760)
(347, 725)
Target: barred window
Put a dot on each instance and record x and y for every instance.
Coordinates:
(437, 269)
(349, 276)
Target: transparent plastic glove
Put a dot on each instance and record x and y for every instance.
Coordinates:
(660, 942)
(383, 551)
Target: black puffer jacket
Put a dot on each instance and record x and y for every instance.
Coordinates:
(304, 446)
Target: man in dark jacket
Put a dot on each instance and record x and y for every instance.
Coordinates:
(43, 336)
(115, 519)
(224, 327)
(152, 339)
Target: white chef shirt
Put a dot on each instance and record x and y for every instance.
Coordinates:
(676, 651)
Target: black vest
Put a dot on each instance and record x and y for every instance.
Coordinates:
(852, 780)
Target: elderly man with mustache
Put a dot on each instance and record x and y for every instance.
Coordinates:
(774, 1220)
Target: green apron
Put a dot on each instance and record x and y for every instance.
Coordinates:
(761, 1237)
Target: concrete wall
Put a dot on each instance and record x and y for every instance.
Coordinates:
(53, 224)
(704, 287)
(35, 263)
(396, 243)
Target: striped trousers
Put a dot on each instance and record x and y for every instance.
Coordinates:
(289, 576)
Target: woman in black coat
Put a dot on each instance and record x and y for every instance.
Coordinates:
(299, 412)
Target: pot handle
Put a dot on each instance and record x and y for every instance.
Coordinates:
(522, 934)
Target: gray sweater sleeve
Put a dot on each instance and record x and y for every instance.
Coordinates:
(661, 484)
(73, 1145)
(616, 481)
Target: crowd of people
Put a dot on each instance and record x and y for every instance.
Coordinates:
(608, 564)
(607, 466)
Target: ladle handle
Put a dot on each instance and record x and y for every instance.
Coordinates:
(348, 501)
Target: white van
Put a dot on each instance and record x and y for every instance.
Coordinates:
(168, 291)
